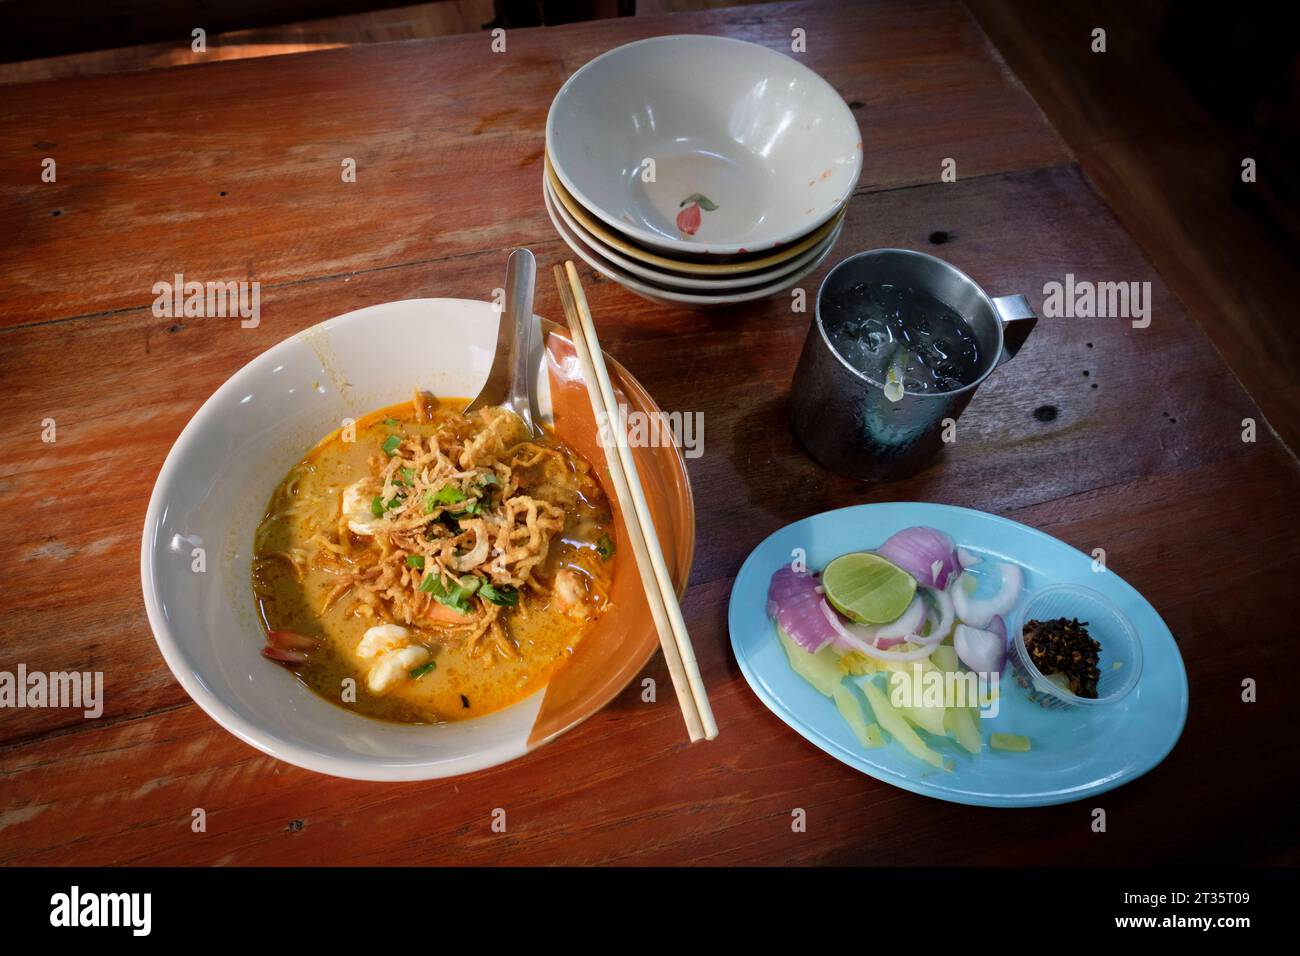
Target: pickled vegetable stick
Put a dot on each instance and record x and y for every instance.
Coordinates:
(929, 719)
(898, 728)
(851, 710)
(905, 667)
(926, 708)
(1012, 742)
(963, 726)
(945, 658)
(822, 669)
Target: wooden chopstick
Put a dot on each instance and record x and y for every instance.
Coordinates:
(662, 598)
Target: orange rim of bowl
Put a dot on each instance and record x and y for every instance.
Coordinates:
(579, 212)
(601, 669)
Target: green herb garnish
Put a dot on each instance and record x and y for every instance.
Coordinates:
(605, 547)
(455, 595)
(377, 506)
(418, 672)
(446, 495)
(415, 561)
(391, 422)
(489, 478)
(473, 508)
(390, 445)
(505, 596)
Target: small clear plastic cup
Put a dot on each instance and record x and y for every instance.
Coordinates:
(1119, 662)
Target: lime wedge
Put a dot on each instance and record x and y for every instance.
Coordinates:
(865, 587)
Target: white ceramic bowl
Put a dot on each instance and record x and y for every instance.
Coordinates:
(214, 488)
(762, 137)
(671, 296)
(711, 285)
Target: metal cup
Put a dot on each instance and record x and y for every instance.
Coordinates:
(841, 415)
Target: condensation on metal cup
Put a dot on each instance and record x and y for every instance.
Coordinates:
(841, 415)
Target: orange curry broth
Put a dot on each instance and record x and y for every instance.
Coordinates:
(460, 685)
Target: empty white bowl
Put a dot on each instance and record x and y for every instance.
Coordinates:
(711, 285)
(767, 142)
(695, 300)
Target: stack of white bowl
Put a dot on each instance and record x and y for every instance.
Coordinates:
(698, 170)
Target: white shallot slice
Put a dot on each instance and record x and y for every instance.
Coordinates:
(979, 612)
(984, 652)
(847, 637)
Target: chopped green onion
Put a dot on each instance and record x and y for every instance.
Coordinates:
(391, 422)
(377, 506)
(415, 561)
(605, 546)
(418, 672)
(473, 508)
(489, 478)
(390, 445)
(408, 476)
(446, 495)
(505, 596)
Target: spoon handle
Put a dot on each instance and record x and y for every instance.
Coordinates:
(512, 379)
(521, 278)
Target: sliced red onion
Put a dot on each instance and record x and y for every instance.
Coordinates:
(846, 637)
(863, 632)
(794, 600)
(982, 651)
(925, 553)
(999, 627)
(979, 612)
(942, 627)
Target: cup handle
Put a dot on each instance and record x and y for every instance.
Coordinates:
(1018, 320)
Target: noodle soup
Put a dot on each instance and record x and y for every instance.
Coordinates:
(424, 566)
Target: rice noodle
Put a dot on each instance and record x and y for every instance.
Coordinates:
(478, 498)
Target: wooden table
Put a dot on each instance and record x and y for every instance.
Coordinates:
(232, 170)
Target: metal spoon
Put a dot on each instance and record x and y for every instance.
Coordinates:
(512, 381)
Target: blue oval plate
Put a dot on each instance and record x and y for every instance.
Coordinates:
(1075, 753)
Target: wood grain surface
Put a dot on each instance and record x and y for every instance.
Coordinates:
(1144, 456)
